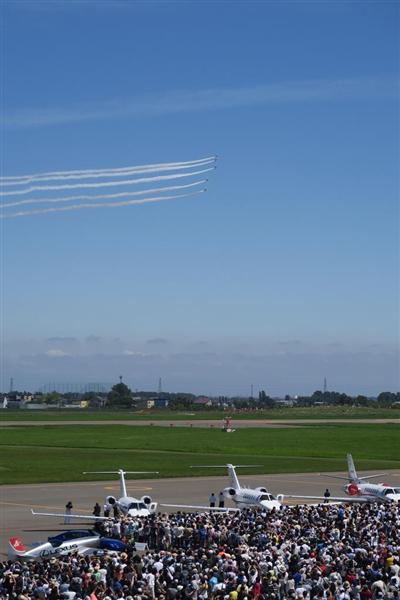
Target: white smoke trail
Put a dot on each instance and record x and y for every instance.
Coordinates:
(102, 196)
(72, 186)
(95, 173)
(97, 205)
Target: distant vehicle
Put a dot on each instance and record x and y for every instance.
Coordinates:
(227, 426)
(358, 489)
(243, 497)
(127, 505)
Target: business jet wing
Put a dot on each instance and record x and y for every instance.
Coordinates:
(72, 516)
(211, 508)
(337, 499)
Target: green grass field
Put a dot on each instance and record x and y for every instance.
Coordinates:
(320, 412)
(57, 453)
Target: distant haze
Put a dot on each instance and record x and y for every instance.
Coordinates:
(290, 367)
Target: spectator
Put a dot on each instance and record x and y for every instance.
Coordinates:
(68, 511)
(326, 552)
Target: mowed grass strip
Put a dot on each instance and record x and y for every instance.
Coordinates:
(320, 412)
(29, 455)
(43, 465)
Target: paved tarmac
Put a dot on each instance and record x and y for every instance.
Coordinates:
(17, 500)
(205, 422)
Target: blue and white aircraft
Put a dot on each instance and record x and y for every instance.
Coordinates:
(82, 542)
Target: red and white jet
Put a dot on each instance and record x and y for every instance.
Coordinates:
(359, 489)
(81, 545)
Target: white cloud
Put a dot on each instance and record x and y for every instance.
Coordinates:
(158, 340)
(56, 353)
(136, 354)
(179, 101)
(62, 340)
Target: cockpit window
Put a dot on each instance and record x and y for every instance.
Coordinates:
(266, 497)
(133, 506)
(389, 491)
(142, 505)
(263, 497)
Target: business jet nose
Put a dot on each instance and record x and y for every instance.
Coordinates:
(394, 497)
(270, 504)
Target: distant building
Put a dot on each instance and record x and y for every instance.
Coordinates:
(141, 403)
(161, 402)
(202, 401)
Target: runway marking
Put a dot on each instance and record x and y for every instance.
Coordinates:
(49, 483)
(40, 506)
(135, 489)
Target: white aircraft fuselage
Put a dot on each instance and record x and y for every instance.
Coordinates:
(134, 507)
(242, 497)
(249, 497)
(127, 505)
(378, 492)
(47, 550)
(360, 487)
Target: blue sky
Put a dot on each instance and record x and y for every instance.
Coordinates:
(286, 271)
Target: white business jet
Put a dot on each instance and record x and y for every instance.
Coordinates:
(243, 497)
(358, 489)
(127, 505)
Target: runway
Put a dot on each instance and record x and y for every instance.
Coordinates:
(217, 424)
(16, 501)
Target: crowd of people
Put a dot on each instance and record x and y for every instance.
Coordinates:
(328, 552)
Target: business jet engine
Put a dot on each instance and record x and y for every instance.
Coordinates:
(146, 500)
(263, 490)
(230, 492)
(352, 489)
(111, 500)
